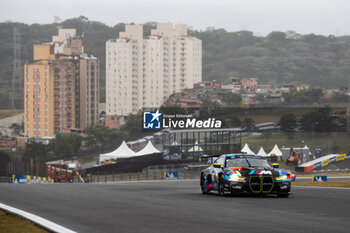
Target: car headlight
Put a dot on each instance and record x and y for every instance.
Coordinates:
(235, 177)
(284, 177)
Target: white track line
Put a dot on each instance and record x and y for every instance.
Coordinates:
(36, 219)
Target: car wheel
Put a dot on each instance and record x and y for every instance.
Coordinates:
(283, 195)
(221, 187)
(203, 185)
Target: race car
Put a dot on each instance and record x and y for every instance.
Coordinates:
(240, 173)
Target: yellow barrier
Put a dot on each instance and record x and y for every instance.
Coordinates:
(340, 157)
(325, 163)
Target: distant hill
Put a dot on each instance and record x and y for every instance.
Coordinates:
(280, 57)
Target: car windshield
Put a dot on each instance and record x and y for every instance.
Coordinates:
(241, 162)
(259, 163)
(247, 162)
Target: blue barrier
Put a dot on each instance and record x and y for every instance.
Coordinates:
(171, 175)
(319, 178)
(347, 156)
(20, 179)
(333, 159)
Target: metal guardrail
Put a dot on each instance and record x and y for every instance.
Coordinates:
(151, 173)
(147, 174)
(5, 179)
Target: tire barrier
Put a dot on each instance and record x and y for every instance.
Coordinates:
(322, 162)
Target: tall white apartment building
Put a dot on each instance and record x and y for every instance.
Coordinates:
(143, 73)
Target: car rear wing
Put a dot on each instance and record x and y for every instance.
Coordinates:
(209, 158)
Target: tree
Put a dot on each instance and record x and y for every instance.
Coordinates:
(36, 150)
(172, 110)
(248, 124)
(339, 97)
(233, 122)
(17, 128)
(322, 120)
(102, 134)
(133, 126)
(208, 106)
(66, 147)
(267, 135)
(277, 36)
(288, 122)
(260, 98)
(308, 96)
(232, 99)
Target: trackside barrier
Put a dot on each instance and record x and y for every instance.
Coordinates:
(25, 179)
(319, 178)
(171, 175)
(157, 173)
(322, 162)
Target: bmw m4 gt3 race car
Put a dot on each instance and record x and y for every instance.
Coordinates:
(239, 173)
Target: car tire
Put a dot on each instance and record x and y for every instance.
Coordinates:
(221, 189)
(202, 184)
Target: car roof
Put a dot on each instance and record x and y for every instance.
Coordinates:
(241, 155)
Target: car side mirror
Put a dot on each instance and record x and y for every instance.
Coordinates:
(275, 165)
(217, 165)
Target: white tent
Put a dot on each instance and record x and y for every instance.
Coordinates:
(123, 151)
(247, 150)
(148, 149)
(196, 148)
(262, 152)
(275, 151)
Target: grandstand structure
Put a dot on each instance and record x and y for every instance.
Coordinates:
(202, 141)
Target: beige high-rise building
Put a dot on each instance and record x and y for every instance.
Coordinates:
(61, 87)
(143, 73)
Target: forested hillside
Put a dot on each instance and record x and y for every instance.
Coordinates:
(280, 57)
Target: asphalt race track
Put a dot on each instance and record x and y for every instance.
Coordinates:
(178, 206)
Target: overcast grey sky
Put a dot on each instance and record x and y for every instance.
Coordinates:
(260, 16)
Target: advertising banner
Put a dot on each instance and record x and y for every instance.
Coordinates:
(319, 178)
(340, 157)
(171, 175)
(25, 179)
(20, 179)
(325, 162)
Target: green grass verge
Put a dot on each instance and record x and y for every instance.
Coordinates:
(13, 224)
